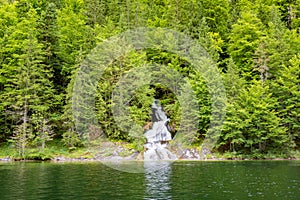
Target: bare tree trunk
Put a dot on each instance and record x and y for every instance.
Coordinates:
(289, 17)
(24, 135)
(44, 130)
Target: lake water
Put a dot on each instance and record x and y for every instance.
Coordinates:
(268, 180)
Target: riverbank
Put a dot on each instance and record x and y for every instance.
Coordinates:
(117, 151)
(67, 159)
(135, 157)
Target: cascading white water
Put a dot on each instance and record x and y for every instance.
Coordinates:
(158, 136)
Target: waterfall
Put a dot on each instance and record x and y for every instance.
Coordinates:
(158, 137)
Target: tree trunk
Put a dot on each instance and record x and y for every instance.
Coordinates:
(24, 135)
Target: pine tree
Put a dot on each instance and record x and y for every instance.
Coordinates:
(244, 40)
(274, 48)
(43, 130)
(27, 89)
(48, 37)
(252, 124)
(201, 91)
(8, 19)
(232, 134)
(96, 11)
(74, 38)
(217, 16)
(286, 89)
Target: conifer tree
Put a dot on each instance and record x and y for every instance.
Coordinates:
(253, 125)
(8, 16)
(286, 89)
(244, 40)
(74, 38)
(28, 89)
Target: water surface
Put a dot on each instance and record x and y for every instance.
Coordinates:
(179, 180)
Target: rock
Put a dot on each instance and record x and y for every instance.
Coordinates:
(159, 153)
(5, 159)
(140, 156)
(190, 154)
(60, 159)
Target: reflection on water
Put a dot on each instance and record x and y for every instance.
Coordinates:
(247, 180)
(157, 181)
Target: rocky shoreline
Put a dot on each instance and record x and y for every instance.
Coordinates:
(129, 158)
(135, 157)
(113, 152)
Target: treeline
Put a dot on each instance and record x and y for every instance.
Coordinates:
(256, 45)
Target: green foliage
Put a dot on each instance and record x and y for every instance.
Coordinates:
(244, 40)
(73, 37)
(71, 140)
(21, 139)
(27, 88)
(204, 102)
(252, 124)
(256, 45)
(286, 89)
(43, 131)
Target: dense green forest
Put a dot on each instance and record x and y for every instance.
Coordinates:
(255, 44)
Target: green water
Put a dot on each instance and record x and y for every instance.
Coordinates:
(269, 180)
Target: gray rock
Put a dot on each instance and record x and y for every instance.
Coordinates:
(5, 159)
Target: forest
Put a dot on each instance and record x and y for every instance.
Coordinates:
(254, 43)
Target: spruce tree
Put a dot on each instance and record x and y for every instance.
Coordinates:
(28, 89)
(244, 40)
(286, 89)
